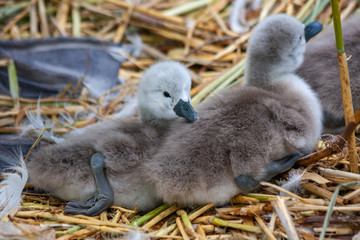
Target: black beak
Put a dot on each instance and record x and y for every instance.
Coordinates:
(312, 29)
(185, 110)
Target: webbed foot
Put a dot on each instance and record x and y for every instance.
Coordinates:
(282, 165)
(104, 196)
(247, 183)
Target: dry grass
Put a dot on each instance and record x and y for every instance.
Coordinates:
(200, 38)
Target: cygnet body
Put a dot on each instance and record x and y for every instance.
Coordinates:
(64, 169)
(320, 69)
(242, 131)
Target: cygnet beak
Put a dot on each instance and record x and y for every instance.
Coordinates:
(185, 110)
(312, 29)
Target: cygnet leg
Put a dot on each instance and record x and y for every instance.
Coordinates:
(104, 195)
(247, 183)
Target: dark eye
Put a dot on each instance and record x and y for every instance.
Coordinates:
(166, 94)
(300, 37)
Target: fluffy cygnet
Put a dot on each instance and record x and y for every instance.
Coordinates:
(64, 169)
(243, 135)
(247, 134)
(321, 70)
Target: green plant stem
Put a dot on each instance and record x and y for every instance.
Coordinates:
(230, 80)
(304, 9)
(8, 11)
(141, 220)
(185, 218)
(337, 26)
(13, 83)
(76, 19)
(232, 73)
(74, 229)
(332, 204)
(223, 223)
(315, 12)
(186, 7)
(159, 217)
(345, 84)
(262, 197)
(165, 231)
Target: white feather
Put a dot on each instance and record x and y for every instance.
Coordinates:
(67, 120)
(292, 183)
(237, 16)
(90, 116)
(12, 187)
(136, 40)
(137, 235)
(67, 117)
(356, 237)
(237, 20)
(77, 131)
(189, 23)
(256, 4)
(36, 124)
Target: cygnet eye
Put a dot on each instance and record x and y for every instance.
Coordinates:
(301, 36)
(166, 94)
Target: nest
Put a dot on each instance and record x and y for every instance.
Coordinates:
(197, 34)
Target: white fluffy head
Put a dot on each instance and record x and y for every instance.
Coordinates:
(161, 88)
(276, 47)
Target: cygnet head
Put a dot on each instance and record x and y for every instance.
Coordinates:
(164, 93)
(276, 47)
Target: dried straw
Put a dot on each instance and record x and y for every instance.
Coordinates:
(215, 56)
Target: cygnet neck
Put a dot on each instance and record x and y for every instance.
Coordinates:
(261, 75)
(148, 118)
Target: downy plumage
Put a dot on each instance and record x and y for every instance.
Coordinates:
(321, 70)
(64, 169)
(247, 134)
(243, 135)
